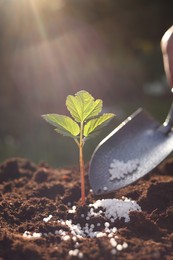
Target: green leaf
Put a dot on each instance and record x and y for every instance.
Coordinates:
(96, 124)
(64, 124)
(82, 106)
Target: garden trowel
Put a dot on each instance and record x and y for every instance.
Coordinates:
(137, 145)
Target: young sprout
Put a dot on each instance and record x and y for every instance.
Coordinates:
(86, 121)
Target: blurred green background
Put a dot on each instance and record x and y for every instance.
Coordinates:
(49, 49)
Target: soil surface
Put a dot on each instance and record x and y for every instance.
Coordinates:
(36, 201)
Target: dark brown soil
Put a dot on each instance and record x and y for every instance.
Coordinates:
(29, 193)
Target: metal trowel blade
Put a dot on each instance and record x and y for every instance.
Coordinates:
(129, 152)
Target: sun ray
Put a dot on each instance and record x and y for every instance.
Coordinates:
(38, 19)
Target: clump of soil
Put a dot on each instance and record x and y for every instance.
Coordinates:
(41, 216)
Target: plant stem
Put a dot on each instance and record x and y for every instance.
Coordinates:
(76, 141)
(81, 162)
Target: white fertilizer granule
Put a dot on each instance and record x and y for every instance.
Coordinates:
(118, 169)
(30, 235)
(47, 219)
(76, 253)
(73, 210)
(114, 208)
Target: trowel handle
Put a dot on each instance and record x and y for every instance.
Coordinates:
(167, 51)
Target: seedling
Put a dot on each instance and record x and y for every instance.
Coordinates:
(85, 123)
